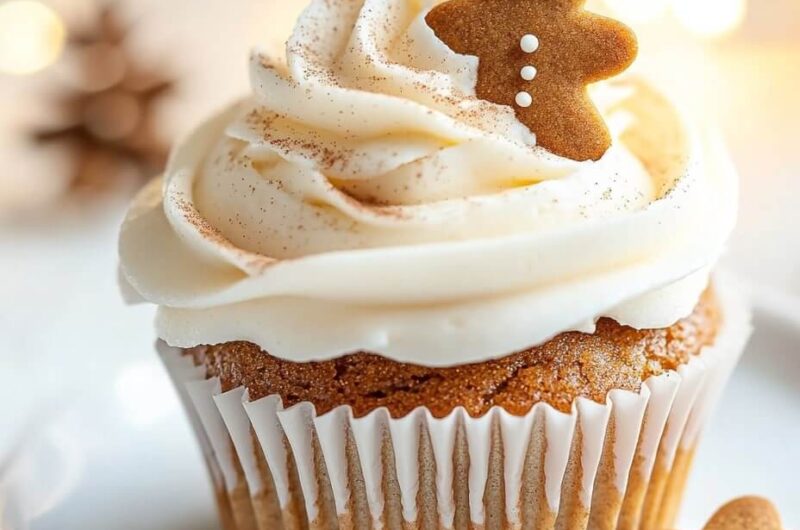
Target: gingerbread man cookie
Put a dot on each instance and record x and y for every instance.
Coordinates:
(747, 513)
(538, 56)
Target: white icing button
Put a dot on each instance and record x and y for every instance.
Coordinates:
(529, 43)
(524, 99)
(528, 73)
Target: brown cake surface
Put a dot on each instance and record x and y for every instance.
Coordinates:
(569, 366)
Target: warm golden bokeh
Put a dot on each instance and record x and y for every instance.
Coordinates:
(31, 37)
(710, 18)
(637, 11)
(703, 18)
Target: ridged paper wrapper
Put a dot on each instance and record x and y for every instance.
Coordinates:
(621, 464)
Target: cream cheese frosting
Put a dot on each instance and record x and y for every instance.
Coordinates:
(363, 199)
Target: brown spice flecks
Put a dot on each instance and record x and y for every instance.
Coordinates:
(255, 263)
(569, 366)
(575, 48)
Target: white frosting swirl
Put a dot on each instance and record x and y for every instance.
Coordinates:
(365, 199)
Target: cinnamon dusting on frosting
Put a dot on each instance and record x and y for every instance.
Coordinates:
(210, 233)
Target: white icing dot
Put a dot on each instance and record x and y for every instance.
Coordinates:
(529, 43)
(524, 99)
(528, 73)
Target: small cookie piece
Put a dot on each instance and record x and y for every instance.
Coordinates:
(747, 513)
(538, 56)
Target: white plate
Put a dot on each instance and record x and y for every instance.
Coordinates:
(107, 465)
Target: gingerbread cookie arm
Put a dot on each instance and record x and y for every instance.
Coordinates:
(608, 47)
(572, 127)
(460, 20)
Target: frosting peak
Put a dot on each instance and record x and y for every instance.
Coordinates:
(365, 199)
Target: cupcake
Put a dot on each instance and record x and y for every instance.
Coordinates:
(425, 278)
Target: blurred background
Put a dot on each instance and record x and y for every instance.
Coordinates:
(93, 93)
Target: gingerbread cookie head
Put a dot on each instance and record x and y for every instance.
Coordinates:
(539, 56)
(747, 513)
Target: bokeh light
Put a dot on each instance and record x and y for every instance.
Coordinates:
(710, 18)
(31, 37)
(639, 11)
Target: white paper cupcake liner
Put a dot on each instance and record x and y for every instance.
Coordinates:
(621, 464)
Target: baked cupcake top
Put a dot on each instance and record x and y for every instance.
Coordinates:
(364, 198)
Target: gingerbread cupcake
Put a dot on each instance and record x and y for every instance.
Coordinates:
(423, 277)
